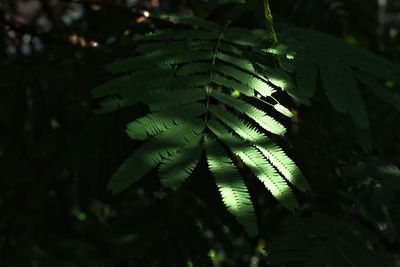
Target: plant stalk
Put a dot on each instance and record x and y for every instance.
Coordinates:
(269, 23)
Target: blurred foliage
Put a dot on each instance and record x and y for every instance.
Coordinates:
(56, 156)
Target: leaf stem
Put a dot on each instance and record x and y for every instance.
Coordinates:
(214, 58)
(269, 24)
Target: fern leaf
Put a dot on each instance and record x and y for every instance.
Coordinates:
(156, 98)
(260, 117)
(239, 127)
(111, 104)
(142, 160)
(257, 84)
(175, 98)
(285, 165)
(186, 58)
(283, 110)
(306, 77)
(238, 62)
(233, 49)
(231, 187)
(368, 63)
(357, 109)
(134, 63)
(180, 88)
(335, 80)
(194, 68)
(176, 169)
(275, 76)
(257, 163)
(113, 86)
(162, 120)
(238, 36)
(125, 85)
(192, 45)
(232, 84)
(342, 90)
(340, 69)
(160, 59)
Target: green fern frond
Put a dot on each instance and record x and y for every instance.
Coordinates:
(177, 169)
(239, 62)
(341, 67)
(285, 165)
(234, 50)
(257, 164)
(253, 81)
(270, 150)
(194, 68)
(232, 84)
(110, 104)
(162, 120)
(151, 154)
(261, 118)
(337, 82)
(126, 96)
(180, 97)
(113, 87)
(185, 93)
(150, 47)
(157, 59)
(342, 90)
(283, 110)
(239, 127)
(306, 77)
(231, 186)
(277, 77)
